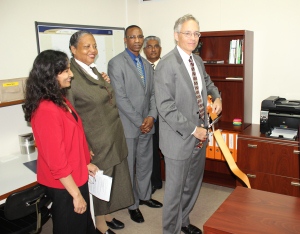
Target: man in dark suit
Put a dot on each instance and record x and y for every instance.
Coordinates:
(152, 50)
(181, 89)
(132, 80)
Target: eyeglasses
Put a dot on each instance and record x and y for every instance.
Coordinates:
(189, 34)
(133, 37)
(150, 47)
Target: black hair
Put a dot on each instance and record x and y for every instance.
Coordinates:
(42, 83)
(129, 27)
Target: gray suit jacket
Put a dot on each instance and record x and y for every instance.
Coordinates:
(177, 104)
(135, 102)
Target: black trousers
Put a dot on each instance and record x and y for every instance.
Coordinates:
(64, 218)
(156, 180)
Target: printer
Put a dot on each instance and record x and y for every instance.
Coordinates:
(279, 113)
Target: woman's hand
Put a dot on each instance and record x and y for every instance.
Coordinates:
(91, 154)
(105, 77)
(79, 204)
(78, 201)
(92, 168)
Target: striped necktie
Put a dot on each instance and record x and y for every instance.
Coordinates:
(153, 66)
(140, 70)
(196, 87)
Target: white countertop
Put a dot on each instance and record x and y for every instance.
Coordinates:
(14, 174)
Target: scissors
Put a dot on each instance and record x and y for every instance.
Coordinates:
(212, 126)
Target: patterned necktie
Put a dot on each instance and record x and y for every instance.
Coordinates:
(153, 66)
(196, 87)
(140, 69)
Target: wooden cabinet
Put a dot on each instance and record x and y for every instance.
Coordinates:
(236, 93)
(233, 80)
(271, 164)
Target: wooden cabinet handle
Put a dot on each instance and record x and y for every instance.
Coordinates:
(297, 184)
(252, 146)
(252, 176)
(296, 152)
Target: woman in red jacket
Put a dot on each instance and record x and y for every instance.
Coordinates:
(63, 161)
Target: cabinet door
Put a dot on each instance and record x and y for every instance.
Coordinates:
(268, 157)
(273, 183)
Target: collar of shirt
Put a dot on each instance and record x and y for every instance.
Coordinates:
(155, 63)
(185, 57)
(87, 68)
(133, 57)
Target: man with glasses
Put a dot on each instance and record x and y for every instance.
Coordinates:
(132, 79)
(152, 50)
(181, 89)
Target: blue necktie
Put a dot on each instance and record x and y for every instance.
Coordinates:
(140, 70)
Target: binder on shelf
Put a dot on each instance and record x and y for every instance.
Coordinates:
(224, 135)
(232, 50)
(217, 152)
(242, 51)
(232, 143)
(238, 52)
(210, 150)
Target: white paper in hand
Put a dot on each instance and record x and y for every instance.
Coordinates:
(100, 185)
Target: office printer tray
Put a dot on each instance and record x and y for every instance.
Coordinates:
(287, 133)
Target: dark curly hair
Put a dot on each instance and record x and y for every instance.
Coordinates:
(42, 82)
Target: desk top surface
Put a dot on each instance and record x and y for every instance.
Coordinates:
(14, 174)
(248, 211)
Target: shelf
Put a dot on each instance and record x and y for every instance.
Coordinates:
(223, 64)
(223, 79)
(3, 104)
(228, 126)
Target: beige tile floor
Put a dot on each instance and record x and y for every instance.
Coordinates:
(210, 198)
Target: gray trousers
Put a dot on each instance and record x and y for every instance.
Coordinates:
(182, 187)
(140, 160)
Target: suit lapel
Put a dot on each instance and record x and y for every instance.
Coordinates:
(131, 64)
(100, 80)
(185, 74)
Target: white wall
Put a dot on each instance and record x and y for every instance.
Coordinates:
(18, 45)
(275, 25)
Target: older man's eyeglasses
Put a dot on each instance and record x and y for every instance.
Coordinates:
(133, 37)
(150, 47)
(189, 34)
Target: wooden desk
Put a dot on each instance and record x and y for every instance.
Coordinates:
(253, 211)
(14, 175)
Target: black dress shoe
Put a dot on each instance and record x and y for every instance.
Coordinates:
(107, 232)
(136, 216)
(151, 203)
(191, 229)
(115, 224)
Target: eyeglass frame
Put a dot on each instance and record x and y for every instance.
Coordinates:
(189, 34)
(150, 47)
(133, 37)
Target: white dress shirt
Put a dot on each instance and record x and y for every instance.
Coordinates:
(87, 69)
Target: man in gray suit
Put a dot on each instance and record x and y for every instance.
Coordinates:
(181, 89)
(152, 50)
(132, 79)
